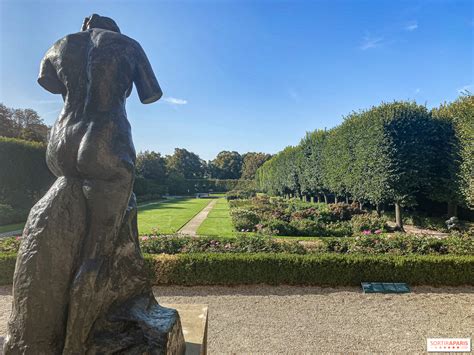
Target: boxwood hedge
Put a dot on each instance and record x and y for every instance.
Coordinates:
(293, 269)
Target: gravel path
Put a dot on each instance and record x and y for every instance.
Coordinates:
(284, 319)
(192, 226)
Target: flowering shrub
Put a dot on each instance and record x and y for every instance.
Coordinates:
(344, 211)
(368, 223)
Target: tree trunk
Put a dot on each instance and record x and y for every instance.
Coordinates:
(378, 208)
(335, 198)
(361, 205)
(325, 198)
(347, 199)
(452, 209)
(318, 198)
(398, 217)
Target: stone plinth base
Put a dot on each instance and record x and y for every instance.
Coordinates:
(194, 325)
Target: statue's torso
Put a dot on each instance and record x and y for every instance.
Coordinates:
(96, 68)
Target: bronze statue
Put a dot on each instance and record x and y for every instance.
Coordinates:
(80, 284)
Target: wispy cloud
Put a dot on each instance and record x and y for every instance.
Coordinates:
(417, 91)
(175, 101)
(466, 88)
(411, 26)
(369, 42)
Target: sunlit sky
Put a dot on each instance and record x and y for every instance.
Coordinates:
(254, 75)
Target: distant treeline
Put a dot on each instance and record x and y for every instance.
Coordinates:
(396, 153)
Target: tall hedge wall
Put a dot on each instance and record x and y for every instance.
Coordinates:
(24, 176)
(392, 153)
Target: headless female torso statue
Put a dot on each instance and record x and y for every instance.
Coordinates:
(79, 284)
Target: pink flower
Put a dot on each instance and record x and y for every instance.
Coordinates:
(18, 238)
(378, 231)
(366, 232)
(144, 238)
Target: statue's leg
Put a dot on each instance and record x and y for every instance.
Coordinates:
(92, 291)
(51, 243)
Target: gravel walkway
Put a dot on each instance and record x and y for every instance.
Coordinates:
(192, 226)
(295, 320)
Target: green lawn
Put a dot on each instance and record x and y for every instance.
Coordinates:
(218, 221)
(11, 227)
(168, 216)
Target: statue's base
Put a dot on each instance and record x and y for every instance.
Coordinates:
(194, 325)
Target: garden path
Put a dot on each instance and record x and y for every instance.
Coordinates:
(420, 231)
(11, 234)
(191, 227)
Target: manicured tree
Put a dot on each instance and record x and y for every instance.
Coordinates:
(251, 162)
(396, 157)
(311, 177)
(460, 114)
(337, 160)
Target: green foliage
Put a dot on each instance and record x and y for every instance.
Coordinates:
(251, 162)
(186, 164)
(9, 215)
(226, 165)
(24, 176)
(244, 220)
(7, 268)
(392, 153)
(23, 124)
(368, 222)
(461, 114)
(323, 269)
(151, 165)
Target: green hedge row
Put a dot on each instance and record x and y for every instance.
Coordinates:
(325, 269)
(291, 269)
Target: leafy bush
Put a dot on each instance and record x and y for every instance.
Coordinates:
(9, 245)
(240, 194)
(307, 227)
(242, 244)
(368, 222)
(9, 215)
(244, 220)
(276, 227)
(344, 211)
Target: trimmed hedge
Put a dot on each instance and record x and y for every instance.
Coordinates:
(323, 269)
(7, 268)
(292, 269)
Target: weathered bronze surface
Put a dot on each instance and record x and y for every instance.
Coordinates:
(80, 284)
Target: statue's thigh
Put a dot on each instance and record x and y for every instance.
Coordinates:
(51, 243)
(106, 152)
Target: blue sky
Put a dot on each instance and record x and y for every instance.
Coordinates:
(254, 75)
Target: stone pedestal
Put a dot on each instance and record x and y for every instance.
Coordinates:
(194, 325)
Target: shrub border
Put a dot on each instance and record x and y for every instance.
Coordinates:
(291, 269)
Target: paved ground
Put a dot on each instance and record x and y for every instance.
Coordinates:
(314, 320)
(11, 234)
(192, 226)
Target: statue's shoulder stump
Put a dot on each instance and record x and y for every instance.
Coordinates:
(194, 325)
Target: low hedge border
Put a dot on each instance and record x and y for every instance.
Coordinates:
(291, 269)
(321, 269)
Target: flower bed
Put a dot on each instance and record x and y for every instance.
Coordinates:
(278, 216)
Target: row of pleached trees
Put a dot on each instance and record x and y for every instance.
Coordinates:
(389, 154)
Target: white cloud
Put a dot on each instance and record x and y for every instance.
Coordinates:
(417, 90)
(468, 88)
(412, 26)
(175, 101)
(370, 42)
